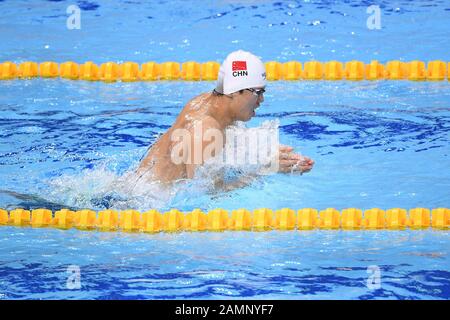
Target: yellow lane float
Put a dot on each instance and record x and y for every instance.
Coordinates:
(128, 71)
(261, 219)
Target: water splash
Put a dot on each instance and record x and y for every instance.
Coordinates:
(103, 186)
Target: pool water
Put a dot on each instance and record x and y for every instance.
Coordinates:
(229, 265)
(376, 144)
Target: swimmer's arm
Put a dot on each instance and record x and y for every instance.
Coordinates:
(289, 162)
(241, 182)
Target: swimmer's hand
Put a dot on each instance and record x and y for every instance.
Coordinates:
(293, 162)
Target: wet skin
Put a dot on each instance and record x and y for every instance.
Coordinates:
(212, 111)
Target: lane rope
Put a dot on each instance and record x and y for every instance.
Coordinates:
(262, 219)
(416, 70)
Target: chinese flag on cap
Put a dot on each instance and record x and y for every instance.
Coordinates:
(239, 65)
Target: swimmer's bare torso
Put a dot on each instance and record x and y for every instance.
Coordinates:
(211, 111)
(158, 165)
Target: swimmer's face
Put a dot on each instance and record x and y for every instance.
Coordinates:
(246, 102)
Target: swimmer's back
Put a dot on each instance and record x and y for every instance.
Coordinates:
(158, 161)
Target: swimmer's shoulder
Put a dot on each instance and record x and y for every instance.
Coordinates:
(196, 111)
(197, 101)
(204, 121)
(210, 122)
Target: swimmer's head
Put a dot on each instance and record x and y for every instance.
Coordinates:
(242, 76)
(240, 70)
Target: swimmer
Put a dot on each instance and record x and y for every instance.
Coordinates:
(239, 92)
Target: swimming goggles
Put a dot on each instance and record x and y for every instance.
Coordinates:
(256, 92)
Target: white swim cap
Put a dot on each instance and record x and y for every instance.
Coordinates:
(240, 70)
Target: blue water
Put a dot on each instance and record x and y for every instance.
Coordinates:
(376, 144)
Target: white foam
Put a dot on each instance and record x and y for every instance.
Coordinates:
(104, 187)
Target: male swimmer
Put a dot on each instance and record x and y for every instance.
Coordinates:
(239, 91)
